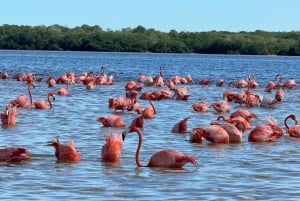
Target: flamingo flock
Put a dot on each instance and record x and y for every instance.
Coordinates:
(224, 130)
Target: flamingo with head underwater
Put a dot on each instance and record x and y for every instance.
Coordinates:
(65, 152)
(168, 158)
(111, 150)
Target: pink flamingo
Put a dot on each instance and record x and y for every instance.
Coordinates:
(279, 94)
(148, 112)
(122, 103)
(266, 132)
(9, 115)
(65, 152)
(295, 130)
(3, 75)
(243, 113)
(64, 91)
(181, 126)
(111, 121)
(51, 81)
(270, 86)
(213, 133)
(43, 104)
(235, 134)
(220, 83)
(14, 154)
(167, 158)
(195, 136)
(221, 106)
(180, 93)
(200, 107)
(111, 151)
(138, 121)
(21, 101)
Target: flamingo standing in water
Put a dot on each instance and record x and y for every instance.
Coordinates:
(111, 151)
(14, 154)
(44, 104)
(65, 152)
(9, 115)
(21, 101)
(295, 130)
(148, 112)
(167, 158)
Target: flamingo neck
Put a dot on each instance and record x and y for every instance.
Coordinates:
(50, 104)
(29, 92)
(285, 121)
(137, 153)
(152, 105)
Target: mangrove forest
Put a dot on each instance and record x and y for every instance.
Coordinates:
(140, 39)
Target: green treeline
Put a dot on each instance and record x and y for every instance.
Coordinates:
(140, 39)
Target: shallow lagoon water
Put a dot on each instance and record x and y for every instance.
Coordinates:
(246, 171)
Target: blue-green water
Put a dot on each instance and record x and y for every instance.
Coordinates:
(243, 171)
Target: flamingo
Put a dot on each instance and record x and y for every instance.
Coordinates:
(138, 121)
(270, 86)
(14, 154)
(221, 106)
(51, 81)
(204, 82)
(195, 136)
(200, 107)
(111, 121)
(122, 103)
(21, 101)
(168, 158)
(111, 151)
(213, 133)
(295, 130)
(220, 83)
(9, 115)
(243, 113)
(4, 75)
(189, 79)
(181, 127)
(180, 93)
(43, 104)
(65, 152)
(235, 134)
(158, 80)
(132, 85)
(279, 94)
(266, 132)
(64, 91)
(148, 112)
(240, 122)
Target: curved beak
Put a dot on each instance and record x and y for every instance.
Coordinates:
(124, 133)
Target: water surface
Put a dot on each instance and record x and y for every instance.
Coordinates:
(245, 171)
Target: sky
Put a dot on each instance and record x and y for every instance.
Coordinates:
(161, 15)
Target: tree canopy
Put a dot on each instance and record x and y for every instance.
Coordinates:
(140, 39)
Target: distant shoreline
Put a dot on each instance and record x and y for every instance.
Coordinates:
(142, 40)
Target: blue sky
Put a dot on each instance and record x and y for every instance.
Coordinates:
(162, 15)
